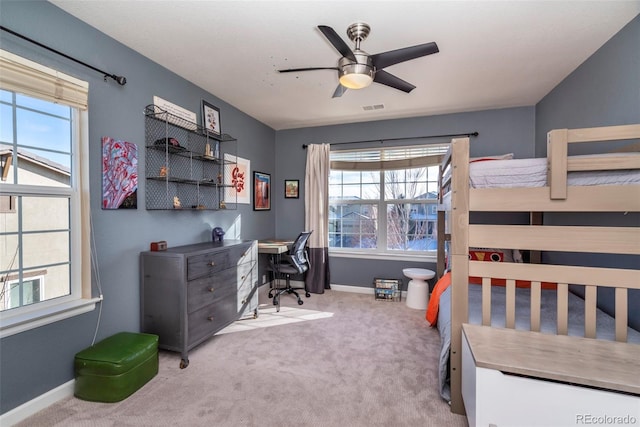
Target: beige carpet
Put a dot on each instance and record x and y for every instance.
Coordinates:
(371, 363)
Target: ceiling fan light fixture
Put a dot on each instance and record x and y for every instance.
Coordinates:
(355, 76)
(355, 80)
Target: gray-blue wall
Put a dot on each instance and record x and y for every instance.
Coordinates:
(603, 91)
(34, 362)
(500, 131)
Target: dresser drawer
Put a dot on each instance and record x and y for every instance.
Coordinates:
(207, 264)
(206, 290)
(210, 319)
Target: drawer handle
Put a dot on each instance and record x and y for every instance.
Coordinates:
(210, 318)
(211, 289)
(212, 263)
(242, 278)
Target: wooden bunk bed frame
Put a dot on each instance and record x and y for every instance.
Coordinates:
(457, 199)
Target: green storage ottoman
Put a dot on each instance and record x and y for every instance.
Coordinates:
(116, 367)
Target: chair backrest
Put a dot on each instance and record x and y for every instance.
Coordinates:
(298, 254)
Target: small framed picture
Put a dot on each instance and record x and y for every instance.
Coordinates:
(261, 191)
(211, 119)
(291, 188)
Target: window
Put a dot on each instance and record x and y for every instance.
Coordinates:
(384, 200)
(44, 247)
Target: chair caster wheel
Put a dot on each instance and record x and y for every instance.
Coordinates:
(300, 302)
(270, 294)
(307, 294)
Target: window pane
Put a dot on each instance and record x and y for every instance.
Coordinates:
(60, 110)
(5, 96)
(57, 282)
(411, 226)
(355, 185)
(39, 167)
(353, 226)
(6, 124)
(8, 254)
(41, 249)
(24, 293)
(36, 286)
(43, 131)
(45, 213)
(407, 184)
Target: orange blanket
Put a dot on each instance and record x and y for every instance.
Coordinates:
(444, 282)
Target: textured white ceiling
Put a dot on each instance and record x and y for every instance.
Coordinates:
(493, 54)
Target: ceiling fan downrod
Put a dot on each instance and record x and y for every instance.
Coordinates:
(358, 32)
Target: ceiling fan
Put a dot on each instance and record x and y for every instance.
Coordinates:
(357, 69)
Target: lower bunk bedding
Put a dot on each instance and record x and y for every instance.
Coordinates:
(442, 301)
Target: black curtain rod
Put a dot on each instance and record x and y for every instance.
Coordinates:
(382, 140)
(120, 79)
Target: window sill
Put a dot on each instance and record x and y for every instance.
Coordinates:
(14, 324)
(384, 256)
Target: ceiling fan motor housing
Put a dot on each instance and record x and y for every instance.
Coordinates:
(356, 75)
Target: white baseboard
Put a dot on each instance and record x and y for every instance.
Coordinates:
(334, 287)
(353, 289)
(359, 290)
(33, 406)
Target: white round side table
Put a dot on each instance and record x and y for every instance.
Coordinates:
(418, 288)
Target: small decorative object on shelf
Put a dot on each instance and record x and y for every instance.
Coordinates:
(159, 246)
(207, 151)
(388, 289)
(187, 161)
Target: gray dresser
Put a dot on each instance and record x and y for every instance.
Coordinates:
(188, 293)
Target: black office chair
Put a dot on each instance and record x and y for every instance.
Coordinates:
(296, 261)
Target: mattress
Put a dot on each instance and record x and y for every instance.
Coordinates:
(605, 324)
(533, 173)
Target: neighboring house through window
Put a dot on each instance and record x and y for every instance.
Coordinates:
(384, 201)
(44, 227)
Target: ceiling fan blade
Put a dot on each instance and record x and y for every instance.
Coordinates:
(337, 42)
(385, 59)
(390, 80)
(340, 90)
(293, 70)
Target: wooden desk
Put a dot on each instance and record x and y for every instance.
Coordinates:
(273, 247)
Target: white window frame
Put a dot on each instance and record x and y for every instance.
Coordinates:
(20, 75)
(366, 159)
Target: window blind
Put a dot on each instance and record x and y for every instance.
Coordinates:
(389, 158)
(29, 78)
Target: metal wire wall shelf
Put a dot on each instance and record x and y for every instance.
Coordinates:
(185, 165)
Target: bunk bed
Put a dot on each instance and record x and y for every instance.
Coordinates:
(529, 338)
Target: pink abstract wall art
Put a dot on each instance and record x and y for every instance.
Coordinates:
(119, 174)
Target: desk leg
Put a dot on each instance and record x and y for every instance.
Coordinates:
(275, 282)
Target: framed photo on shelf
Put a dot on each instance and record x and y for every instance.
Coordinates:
(211, 119)
(291, 188)
(261, 191)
